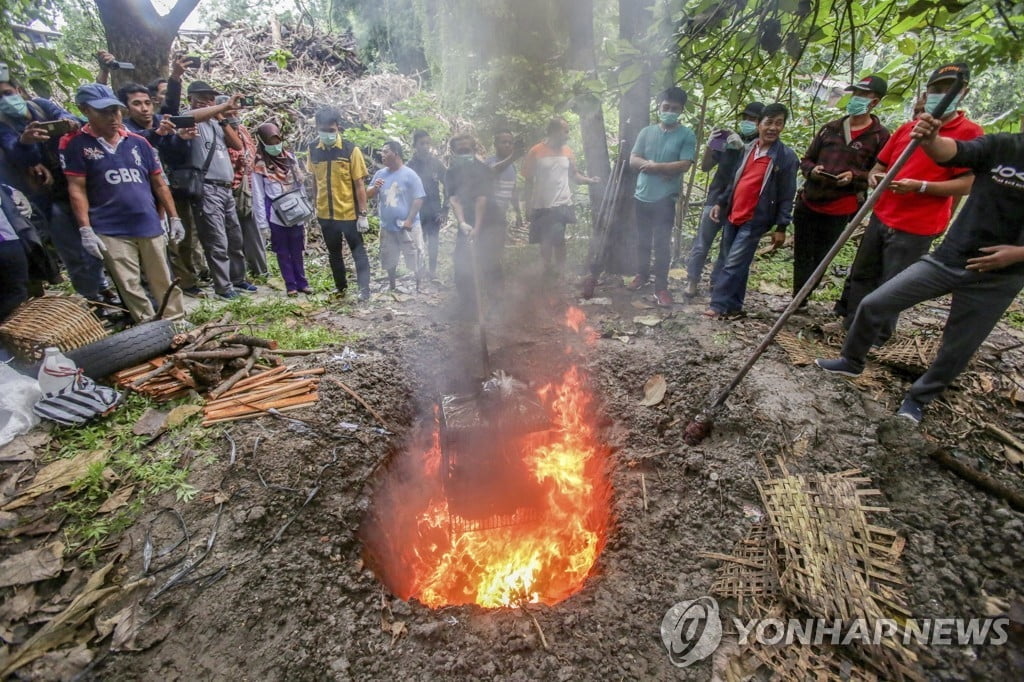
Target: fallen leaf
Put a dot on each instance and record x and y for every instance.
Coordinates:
(117, 500)
(129, 622)
(151, 423)
(772, 289)
(18, 606)
(43, 525)
(180, 414)
(642, 305)
(65, 664)
(220, 497)
(26, 447)
(397, 629)
(623, 339)
(994, 606)
(56, 475)
(63, 628)
(654, 391)
(33, 565)
(647, 320)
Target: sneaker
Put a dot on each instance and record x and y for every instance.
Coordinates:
(193, 292)
(912, 410)
(663, 298)
(228, 295)
(364, 295)
(691, 290)
(637, 283)
(246, 287)
(840, 366)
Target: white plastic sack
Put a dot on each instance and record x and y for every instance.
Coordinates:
(18, 393)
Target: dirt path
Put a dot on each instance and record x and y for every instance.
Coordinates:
(284, 592)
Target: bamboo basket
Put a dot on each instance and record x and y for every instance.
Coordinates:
(65, 322)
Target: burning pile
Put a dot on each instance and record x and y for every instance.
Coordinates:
(523, 522)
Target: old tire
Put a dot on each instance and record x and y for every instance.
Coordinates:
(125, 349)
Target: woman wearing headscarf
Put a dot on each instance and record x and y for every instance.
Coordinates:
(275, 173)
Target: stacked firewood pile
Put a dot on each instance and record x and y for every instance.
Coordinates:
(293, 70)
(242, 376)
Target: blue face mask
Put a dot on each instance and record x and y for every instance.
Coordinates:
(274, 149)
(328, 139)
(857, 105)
(748, 128)
(931, 102)
(669, 118)
(14, 105)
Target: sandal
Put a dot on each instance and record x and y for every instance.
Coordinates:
(712, 314)
(293, 293)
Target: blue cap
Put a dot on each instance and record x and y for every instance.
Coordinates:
(97, 96)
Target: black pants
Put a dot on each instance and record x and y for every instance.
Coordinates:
(884, 253)
(334, 232)
(432, 236)
(813, 235)
(13, 277)
(654, 223)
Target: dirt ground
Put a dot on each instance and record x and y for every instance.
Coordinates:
(284, 593)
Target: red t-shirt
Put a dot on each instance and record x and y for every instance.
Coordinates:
(921, 214)
(748, 189)
(844, 205)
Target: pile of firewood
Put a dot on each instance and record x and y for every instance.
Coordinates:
(242, 376)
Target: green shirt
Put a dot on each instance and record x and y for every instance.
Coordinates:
(662, 146)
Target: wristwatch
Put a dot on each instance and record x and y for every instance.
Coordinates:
(924, 187)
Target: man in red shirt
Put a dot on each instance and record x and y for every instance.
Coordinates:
(916, 208)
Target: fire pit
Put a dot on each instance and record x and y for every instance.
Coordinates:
(511, 510)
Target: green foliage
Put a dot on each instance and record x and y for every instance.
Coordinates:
(287, 321)
(42, 69)
(280, 57)
(420, 112)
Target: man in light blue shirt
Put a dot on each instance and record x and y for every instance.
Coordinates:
(401, 195)
(662, 153)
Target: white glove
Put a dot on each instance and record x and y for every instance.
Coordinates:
(363, 224)
(734, 141)
(177, 230)
(465, 227)
(91, 243)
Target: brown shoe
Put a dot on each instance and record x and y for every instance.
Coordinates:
(637, 283)
(663, 298)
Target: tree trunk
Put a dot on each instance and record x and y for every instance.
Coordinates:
(634, 116)
(136, 33)
(587, 106)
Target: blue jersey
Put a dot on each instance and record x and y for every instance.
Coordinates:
(401, 188)
(117, 182)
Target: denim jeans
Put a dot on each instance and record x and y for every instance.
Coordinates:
(335, 232)
(654, 223)
(979, 300)
(729, 278)
(707, 230)
(84, 271)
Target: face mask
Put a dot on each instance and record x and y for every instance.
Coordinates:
(329, 139)
(274, 149)
(465, 157)
(857, 105)
(748, 128)
(932, 100)
(14, 105)
(668, 117)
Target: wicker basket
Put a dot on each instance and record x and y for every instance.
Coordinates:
(62, 321)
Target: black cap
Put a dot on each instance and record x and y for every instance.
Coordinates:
(753, 109)
(875, 84)
(196, 87)
(952, 70)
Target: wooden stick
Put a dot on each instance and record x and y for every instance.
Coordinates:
(1012, 497)
(258, 380)
(162, 369)
(253, 341)
(1005, 436)
(643, 489)
(288, 352)
(251, 415)
(237, 376)
(220, 354)
(360, 400)
(262, 406)
(727, 557)
(312, 371)
(270, 392)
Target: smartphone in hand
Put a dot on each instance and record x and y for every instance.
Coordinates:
(57, 128)
(828, 175)
(183, 121)
(247, 101)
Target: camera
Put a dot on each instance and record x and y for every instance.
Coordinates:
(193, 61)
(117, 66)
(247, 101)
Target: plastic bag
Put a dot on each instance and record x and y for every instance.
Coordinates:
(18, 393)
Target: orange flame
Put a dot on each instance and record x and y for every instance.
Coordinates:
(544, 559)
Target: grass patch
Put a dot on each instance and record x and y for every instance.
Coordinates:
(151, 470)
(1015, 318)
(285, 320)
(775, 271)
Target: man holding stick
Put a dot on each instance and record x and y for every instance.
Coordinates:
(980, 262)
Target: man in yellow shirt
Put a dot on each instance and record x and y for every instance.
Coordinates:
(339, 171)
